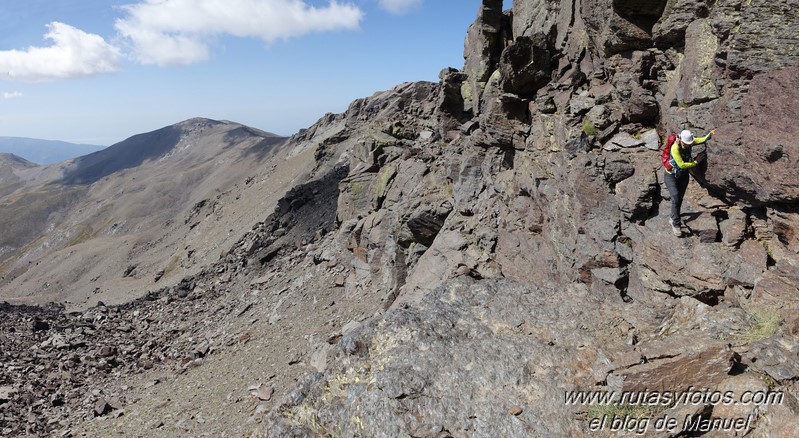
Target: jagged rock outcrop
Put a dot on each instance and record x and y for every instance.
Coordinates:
(500, 340)
(554, 182)
(484, 42)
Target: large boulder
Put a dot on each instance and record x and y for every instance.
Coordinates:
(756, 36)
(689, 267)
(526, 64)
(697, 83)
(778, 290)
(677, 15)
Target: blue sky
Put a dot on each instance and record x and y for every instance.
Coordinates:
(99, 71)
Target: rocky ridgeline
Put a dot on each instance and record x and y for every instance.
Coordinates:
(518, 227)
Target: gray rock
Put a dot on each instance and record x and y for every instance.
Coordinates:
(651, 140)
(261, 392)
(609, 275)
(580, 105)
(703, 225)
(617, 169)
(676, 18)
(418, 372)
(426, 221)
(598, 116)
(750, 263)
(777, 358)
(778, 289)
(683, 267)
(469, 182)
(6, 392)
(625, 141)
(482, 50)
(102, 407)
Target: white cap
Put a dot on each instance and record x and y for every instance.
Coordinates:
(686, 137)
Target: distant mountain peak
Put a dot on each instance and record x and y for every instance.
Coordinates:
(202, 122)
(44, 151)
(193, 139)
(8, 159)
(199, 121)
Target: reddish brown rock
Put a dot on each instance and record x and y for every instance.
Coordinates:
(733, 226)
(704, 226)
(760, 155)
(703, 370)
(740, 386)
(778, 289)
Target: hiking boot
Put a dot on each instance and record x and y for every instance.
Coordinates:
(675, 229)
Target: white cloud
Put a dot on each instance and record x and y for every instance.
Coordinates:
(11, 95)
(399, 6)
(177, 32)
(74, 53)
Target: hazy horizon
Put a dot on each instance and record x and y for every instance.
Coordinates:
(275, 65)
(45, 151)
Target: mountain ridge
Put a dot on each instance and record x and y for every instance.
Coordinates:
(45, 151)
(9, 158)
(133, 188)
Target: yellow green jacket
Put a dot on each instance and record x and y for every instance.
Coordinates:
(681, 158)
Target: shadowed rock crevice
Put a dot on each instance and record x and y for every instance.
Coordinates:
(644, 14)
(304, 215)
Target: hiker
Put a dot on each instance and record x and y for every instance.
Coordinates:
(676, 176)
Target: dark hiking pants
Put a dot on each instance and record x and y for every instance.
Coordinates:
(677, 187)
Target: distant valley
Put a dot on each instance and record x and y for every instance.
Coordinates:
(45, 151)
(115, 223)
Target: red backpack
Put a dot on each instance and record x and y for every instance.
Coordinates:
(665, 156)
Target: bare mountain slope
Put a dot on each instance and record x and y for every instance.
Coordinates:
(12, 161)
(10, 166)
(142, 213)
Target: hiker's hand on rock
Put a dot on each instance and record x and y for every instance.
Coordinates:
(712, 132)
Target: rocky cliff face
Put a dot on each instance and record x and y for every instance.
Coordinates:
(523, 247)
(468, 252)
